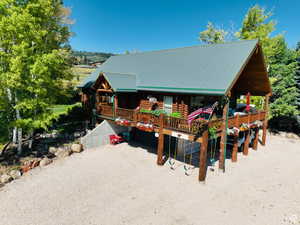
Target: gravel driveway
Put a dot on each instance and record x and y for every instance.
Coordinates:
(122, 185)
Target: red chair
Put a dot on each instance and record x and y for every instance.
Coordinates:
(115, 139)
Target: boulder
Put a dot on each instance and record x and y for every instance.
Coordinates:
(76, 148)
(45, 161)
(61, 153)
(52, 150)
(15, 174)
(5, 178)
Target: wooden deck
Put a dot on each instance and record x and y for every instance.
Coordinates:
(197, 131)
(175, 124)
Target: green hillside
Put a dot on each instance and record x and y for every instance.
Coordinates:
(84, 57)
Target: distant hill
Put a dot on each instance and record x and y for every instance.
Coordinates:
(84, 57)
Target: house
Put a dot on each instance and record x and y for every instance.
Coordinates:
(156, 91)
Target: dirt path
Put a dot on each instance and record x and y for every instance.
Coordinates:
(122, 185)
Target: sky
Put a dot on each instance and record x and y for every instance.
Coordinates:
(117, 26)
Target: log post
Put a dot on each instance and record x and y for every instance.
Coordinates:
(265, 123)
(247, 139)
(246, 143)
(223, 139)
(255, 141)
(203, 156)
(115, 105)
(160, 146)
(235, 140)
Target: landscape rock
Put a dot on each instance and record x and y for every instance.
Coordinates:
(45, 161)
(53, 150)
(15, 174)
(5, 178)
(76, 148)
(61, 153)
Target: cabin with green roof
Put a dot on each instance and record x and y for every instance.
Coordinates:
(189, 93)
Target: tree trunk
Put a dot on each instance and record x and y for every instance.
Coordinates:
(15, 135)
(18, 116)
(20, 141)
(30, 140)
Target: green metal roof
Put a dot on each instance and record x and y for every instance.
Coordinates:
(121, 82)
(203, 69)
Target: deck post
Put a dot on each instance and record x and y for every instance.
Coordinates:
(246, 143)
(235, 140)
(223, 141)
(115, 105)
(203, 156)
(247, 139)
(160, 146)
(265, 123)
(255, 141)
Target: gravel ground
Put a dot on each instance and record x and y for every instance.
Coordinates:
(122, 185)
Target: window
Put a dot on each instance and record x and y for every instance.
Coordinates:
(168, 102)
(196, 102)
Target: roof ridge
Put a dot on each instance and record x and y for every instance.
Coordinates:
(131, 74)
(193, 46)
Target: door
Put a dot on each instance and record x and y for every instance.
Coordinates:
(168, 102)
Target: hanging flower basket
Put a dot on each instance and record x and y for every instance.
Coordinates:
(123, 122)
(145, 127)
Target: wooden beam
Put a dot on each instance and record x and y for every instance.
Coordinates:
(223, 139)
(255, 141)
(235, 140)
(265, 123)
(203, 156)
(160, 146)
(246, 143)
(191, 137)
(115, 105)
(105, 90)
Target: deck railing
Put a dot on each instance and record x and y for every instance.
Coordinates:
(105, 110)
(147, 118)
(177, 124)
(125, 113)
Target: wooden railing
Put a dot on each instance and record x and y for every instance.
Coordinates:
(105, 110)
(125, 114)
(180, 124)
(177, 124)
(237, 121)
(147, 118)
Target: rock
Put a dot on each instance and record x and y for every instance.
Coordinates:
(61, 153)
(15, 174)
(25, 168)
(5, 178)
(53, 150)
(45, 161)
(76, 148)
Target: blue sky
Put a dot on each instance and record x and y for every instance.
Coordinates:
(120, 25)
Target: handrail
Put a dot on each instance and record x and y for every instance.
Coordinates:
(178, 124)
(125, 113)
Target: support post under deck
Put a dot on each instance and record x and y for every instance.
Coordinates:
(235, 140)
(265, 125)
(223, 139)
(160, 146)
(203, 156)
